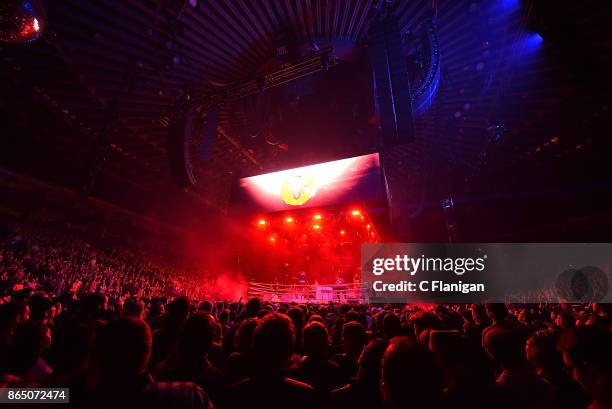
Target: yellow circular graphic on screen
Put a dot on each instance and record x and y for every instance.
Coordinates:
(297, 190)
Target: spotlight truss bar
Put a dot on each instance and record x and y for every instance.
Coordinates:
(321, 61)
(349, 226)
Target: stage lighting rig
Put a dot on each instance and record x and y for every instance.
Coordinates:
(324, 59)
(180, 136)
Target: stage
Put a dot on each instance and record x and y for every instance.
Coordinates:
(310, 221)
(310, 293)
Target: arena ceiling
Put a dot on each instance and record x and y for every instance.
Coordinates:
(145, 55)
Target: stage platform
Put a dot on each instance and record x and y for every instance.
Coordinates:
(309, 293)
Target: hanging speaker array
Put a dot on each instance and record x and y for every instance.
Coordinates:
(178, 144)
(391, 85)
(182, 139)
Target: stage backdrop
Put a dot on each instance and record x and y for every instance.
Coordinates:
(352, 180)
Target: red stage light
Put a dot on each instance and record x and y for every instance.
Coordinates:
(368, 227)
(262, 222)
(316, 227)
(342, 232)
(317, 217)
(355, 212)
(272, 239)
(289, 219)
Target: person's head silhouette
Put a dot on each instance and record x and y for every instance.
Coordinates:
(273, 342)
(122, 348)
(410, 375)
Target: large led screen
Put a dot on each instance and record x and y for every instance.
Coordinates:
(349, 180)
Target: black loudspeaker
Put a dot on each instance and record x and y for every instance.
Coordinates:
(391, 85)
(178, 145)
(209, 133)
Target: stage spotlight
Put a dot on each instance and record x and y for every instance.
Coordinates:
(289, 219)
(272, 239)
(317, 227)
(368, 227)
(355, 212)
(22, 21)
(535, 39)
(262, 222)
(317, 217)
(342, 232)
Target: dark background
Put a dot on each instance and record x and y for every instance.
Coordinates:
(538, 69)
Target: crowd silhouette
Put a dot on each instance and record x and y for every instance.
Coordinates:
(123, 331)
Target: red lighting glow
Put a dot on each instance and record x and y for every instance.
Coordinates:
(311, 238)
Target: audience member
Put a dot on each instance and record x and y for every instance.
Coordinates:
(316, 369)
(117, 373)
(410, 376)
(273, 343)
(586, 350)
(354, 339)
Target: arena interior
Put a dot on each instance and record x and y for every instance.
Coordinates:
(190, 191)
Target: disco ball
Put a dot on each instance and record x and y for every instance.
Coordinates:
(21, 21)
